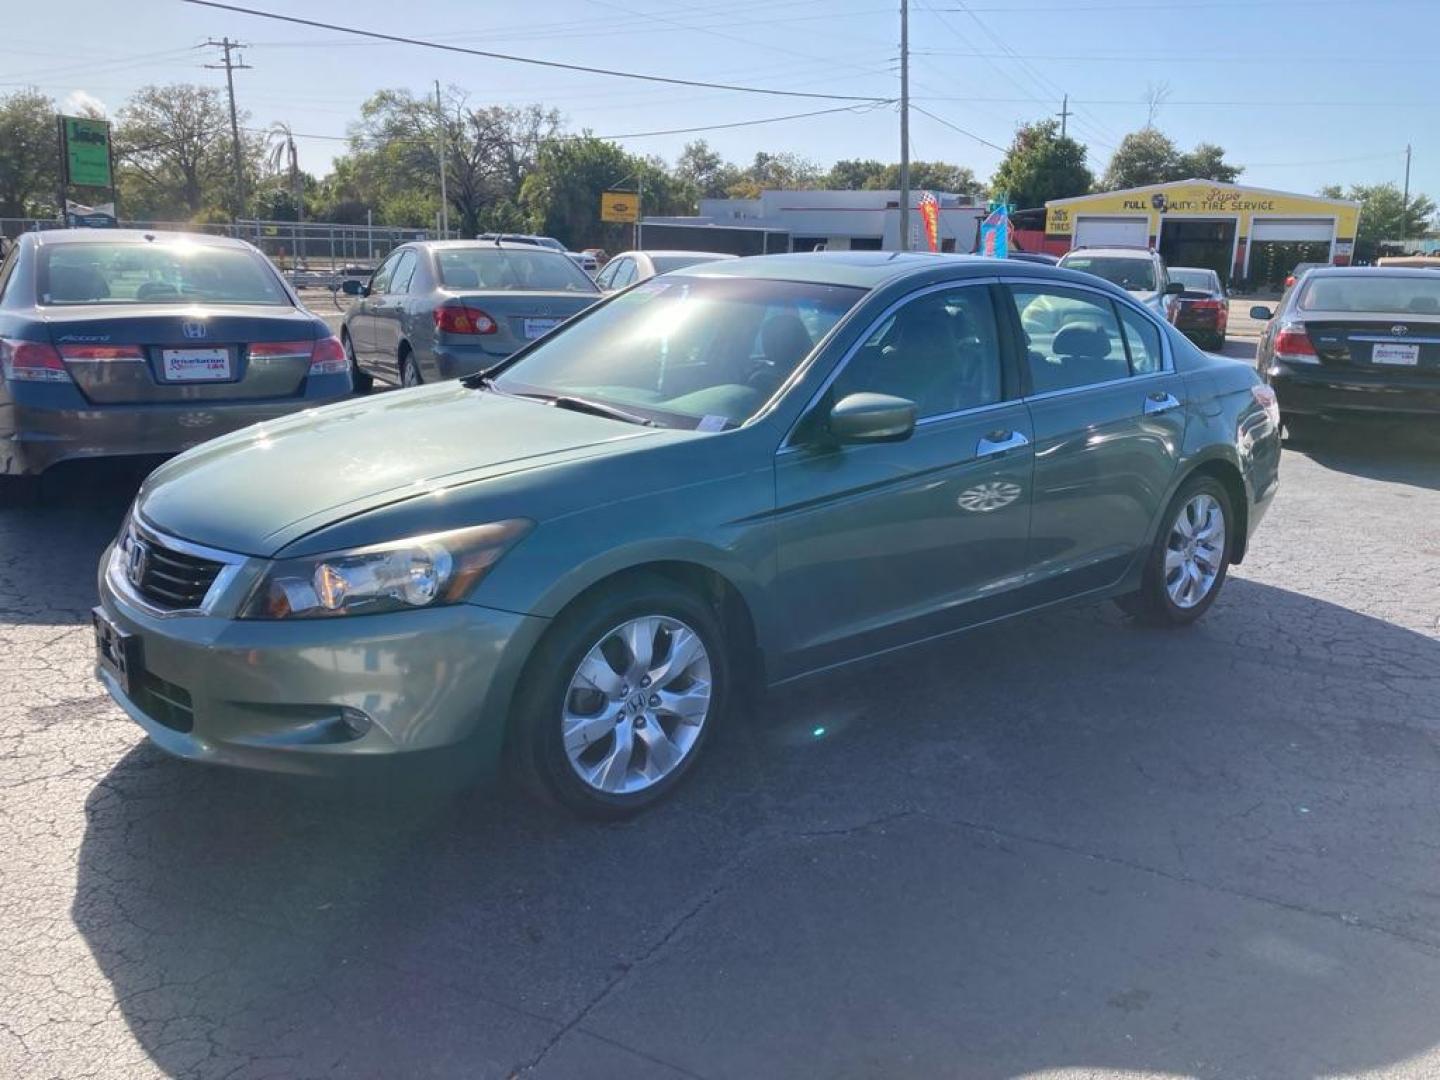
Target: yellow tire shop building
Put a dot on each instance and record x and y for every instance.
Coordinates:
(1246, 234)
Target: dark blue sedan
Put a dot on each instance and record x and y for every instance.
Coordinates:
(117, 342)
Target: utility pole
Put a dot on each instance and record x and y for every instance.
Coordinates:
(444, 196)
(1405, 204)
(230, 66)
(904, 125)
(639, 209)
(1064, 115)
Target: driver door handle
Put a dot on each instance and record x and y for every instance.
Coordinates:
(1160, 402)
(997, 442)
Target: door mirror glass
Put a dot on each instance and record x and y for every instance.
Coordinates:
(866, 417)
(1261, 312)
(351, 287)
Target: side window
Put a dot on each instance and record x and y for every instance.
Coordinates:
(404, 271)
(7, 266)
(380, 280)
(1143, 337)
(941, 351)
(1072, 338)
(624, 274)
(603, 278)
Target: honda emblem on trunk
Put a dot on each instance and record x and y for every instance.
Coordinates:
(1399, 331)
(194, 330)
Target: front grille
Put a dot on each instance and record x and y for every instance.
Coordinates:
(172, 579)
(166, 703)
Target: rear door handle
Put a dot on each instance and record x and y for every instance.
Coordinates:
(997, 442)
(1160, 403)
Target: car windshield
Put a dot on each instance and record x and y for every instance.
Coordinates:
(1370, 291)
(665, 263)
(171, 272)
(1200, 280)
(1136, 275)
(685, 352)
(497, 268)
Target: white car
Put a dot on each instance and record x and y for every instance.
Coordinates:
(1139, 271)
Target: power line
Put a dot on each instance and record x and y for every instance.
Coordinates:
(1246, 104)
(957, 127)
(1183, 5)
(610, 72)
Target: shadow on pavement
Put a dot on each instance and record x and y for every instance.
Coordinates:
(1062, 843)
(1397, 450)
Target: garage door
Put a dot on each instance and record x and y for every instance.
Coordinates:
(1293, 230)
(1112, 232)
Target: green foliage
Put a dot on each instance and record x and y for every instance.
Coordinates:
(1149, 157)
(707, 173)
(1384, 215)
(561, 194)
(29, 155)
(775, 172)
(1041, 165)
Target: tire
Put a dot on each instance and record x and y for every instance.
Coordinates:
(362, 381)
(1201, 558)
(614, 748)
(1217, 343)
(410, 371)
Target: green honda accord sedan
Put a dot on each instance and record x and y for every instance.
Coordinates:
(729, 477)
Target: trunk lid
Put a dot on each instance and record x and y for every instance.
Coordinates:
(524, 316)
(1401, 344)
(190, 353)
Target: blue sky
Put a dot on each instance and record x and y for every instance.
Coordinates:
(1302, 93)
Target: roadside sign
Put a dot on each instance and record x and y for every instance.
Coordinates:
(77, 215)
(620, 206)
(85, 151)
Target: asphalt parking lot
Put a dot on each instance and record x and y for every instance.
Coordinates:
(1063, 847)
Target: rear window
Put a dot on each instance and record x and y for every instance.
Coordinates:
(116, 272)
(665, 263)
(1376, 291)
(1136, 275)
(502, 269)
(1204, 280)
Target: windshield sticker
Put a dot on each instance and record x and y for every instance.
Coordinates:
(712, 423)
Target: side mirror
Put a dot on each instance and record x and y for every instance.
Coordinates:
(861, 418)
(1261, 312)
(350, 287)
(1174, 288)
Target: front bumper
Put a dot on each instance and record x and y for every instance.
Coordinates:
(1328, 392)
(269, 695)
(49, 424)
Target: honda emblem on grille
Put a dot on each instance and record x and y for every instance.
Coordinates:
(194, 330)
(137, 561)
(1399, 330)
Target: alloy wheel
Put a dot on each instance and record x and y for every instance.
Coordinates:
(636, 705)
(409, 372)
(1195, 550)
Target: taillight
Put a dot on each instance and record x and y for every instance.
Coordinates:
(280, 350)
(31, 361)
(1205, 305)
(329, 357)
(102, 352)
(1294, 346)
(1289, 280)
(460, 319)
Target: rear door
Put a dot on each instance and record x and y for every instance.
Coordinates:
(884, 543)
(1109, 416)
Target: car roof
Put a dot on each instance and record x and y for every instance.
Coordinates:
(1327, 271)
(48, 237)
(665, 253)
(1118, 251)
(482, 245)
(871, 269)
(1193, 270)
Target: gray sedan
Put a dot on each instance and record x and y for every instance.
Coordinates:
(442, 309)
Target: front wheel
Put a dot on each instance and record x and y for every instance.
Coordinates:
(361, 380)
(410, 371)
(620, 698)
(1188, 562)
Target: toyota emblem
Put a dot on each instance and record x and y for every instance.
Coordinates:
(194, 330)
(1399, 330)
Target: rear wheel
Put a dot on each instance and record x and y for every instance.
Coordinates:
(1188, 562)
(361, 380)
(620, 698)
(409, 370)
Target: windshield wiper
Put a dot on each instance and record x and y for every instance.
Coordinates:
(599, 408)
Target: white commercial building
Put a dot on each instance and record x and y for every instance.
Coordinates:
(839, 220)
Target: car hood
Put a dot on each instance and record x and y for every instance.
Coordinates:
(265, 486)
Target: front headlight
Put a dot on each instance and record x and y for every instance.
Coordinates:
(422, 571)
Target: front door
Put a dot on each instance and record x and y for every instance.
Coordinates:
(1109, 415)
(884, 543)
(387, 313)
(362, 321)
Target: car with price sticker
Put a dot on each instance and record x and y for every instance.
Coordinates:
(442, 309)
(117, 342)
(1348, 341)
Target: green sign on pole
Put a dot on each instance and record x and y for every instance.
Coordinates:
(85, 149)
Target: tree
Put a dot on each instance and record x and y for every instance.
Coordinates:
(561, 194)
(1041, 165)
(705, 170)
(775, 172)
(855, 174)
(173, 146)
(1149, 157)
(1207, 162)
(1384, 215)
(29, 155)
